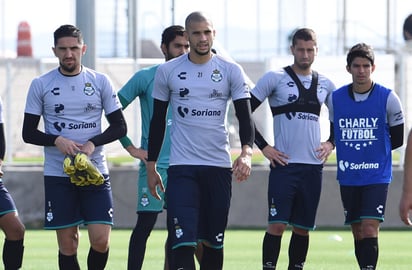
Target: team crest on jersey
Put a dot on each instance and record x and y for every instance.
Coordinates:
(145, 200)
(88, 89)
(216, 76)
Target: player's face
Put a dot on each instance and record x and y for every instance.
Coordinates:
(201, 36)
(177, 47)
(304, 53)
(361, 70)
(69, 52)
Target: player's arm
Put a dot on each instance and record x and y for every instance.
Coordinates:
(242, 165)
(117, 128)
(156, 135)
(31, 133)
(2, 147)
(396, 134)
(405, 204)
(259, 140)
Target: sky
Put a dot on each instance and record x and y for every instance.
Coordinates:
(247, 29)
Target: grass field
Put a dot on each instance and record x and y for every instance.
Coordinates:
(328, 250)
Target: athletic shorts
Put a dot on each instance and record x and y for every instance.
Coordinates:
(294, 193)
(198, 201)
(364, 202)
(145, 201)
(68, 205)
(7, 204)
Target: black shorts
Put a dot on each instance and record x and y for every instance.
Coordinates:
(364, 202)
(198, 200)
(294, 194)
(7, 204)
(68, 205)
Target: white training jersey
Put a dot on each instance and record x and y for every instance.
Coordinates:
(198, 96)
(72, 107)
(296, 134)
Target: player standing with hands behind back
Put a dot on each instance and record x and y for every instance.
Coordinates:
(368, 124)
(71, 99)
(198, 87)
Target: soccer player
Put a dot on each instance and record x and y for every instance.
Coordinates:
(71, 99)
(174, 43)
(295, 94)
(10, 222)
(368, 124)
(198, 87)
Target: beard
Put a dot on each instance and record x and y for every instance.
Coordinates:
(68, 69)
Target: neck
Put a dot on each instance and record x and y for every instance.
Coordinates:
(362, 88)
(198, 58)
(297, 70)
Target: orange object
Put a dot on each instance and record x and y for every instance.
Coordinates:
(24, 47)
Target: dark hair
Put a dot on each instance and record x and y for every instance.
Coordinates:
(68, 30)
(170, 33)
(305, 34)
(407, 27)
(360, 50)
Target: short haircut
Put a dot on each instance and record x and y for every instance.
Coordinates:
(68, 30)
(170, 33)
(196, 16)
(360, 50)
(305, 34)
(407, 27)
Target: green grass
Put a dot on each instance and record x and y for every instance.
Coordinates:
(242, 250)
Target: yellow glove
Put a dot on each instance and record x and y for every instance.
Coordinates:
(92, 174)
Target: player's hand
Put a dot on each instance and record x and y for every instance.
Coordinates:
(154, 180)
(324, 150)
(405, 207)
(137, 153)
(275, 156)
(87, 148)
(66, 146)
(242, 166)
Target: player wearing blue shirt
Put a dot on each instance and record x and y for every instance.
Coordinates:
(368, 124)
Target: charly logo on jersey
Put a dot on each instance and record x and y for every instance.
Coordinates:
(358, 133)
(88, 89)
(216, 76)
(345, 165)
(55, 91)
(182, 75)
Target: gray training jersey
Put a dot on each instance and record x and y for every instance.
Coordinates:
(296, 134)
(198, 96)
(72, 107)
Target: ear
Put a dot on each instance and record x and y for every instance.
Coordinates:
(84, 49)
(164, 49)
(348, 69)
(54, 51)
(373, 68)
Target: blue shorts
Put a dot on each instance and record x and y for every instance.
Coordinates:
(145, 201)
(198, 202)
(364, 202)
(294, 193)
(7, 204)
(68, 205)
